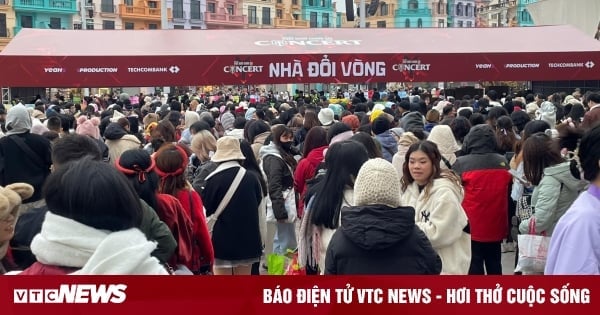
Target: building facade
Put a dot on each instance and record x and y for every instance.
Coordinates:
(413, 13)
(319, 13)
(259, 13)
(288, 14)
(439, 13)
(498, 13)
(523, 16)
(187, 14)
(225, 14)
(97, 15)
(461, 13)
(7, 22)
(48, 14)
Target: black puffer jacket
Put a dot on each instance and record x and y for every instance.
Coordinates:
(377, 239)
(279, 178)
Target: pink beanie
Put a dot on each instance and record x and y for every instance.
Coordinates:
(88, 127)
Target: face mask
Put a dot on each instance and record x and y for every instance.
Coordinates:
(287, 145)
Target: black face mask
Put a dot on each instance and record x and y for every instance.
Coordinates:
(286, 145)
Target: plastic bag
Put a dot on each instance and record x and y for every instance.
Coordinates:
(276, 264)
(533, 251)
(294, 268)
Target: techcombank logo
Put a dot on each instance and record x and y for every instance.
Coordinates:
(73, 294)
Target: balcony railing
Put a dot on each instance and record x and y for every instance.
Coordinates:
(290, 23)
(413, 12)
(498, 6)
(225, 18)
(46, 5)
(141, 12)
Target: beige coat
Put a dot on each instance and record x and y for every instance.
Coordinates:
(442, 219)
(117, 147)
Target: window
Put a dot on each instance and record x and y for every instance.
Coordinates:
(3, 30)
(252, 15)
(152, 4)
(459, 9)
(440, 7)
(294, 2)
(231, 9)
(311, 3)
(89, 24)
(468, 10)
(26, 21)
(413, 5)
(323, 3)
(279, 1)
(178, 27)
(178, 9)
(195, 13)
(107, 6)
(212, 7)
(152, 26)
(384, 9)
(108, 25)
(77, 26)
(279, 13)
(460, 24)
(54, 23)
(420, 23)
(266, 16)
(313, 19)
(441, 23)
(196, 27)
(407, 23)
(368, 24)
(296, 16)
(325, 19)
(129, 3)
(380, 24)
(469, 24)
(129, 25)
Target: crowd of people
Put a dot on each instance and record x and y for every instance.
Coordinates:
(399, 184)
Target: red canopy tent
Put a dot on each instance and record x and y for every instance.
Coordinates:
(65, 58)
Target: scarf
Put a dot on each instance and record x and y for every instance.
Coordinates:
(68, 243)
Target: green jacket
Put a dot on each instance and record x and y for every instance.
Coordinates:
(156, 230)
(552, 198)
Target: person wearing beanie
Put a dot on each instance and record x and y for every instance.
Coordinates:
(24, 157)
(236, 235)
(118, 139)
(377, 234)
(381, 130)
(326, 117)
(90, 128)
(414, 122)
(189, 119)
(436, 195)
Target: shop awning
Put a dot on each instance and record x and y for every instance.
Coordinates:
(78, 58)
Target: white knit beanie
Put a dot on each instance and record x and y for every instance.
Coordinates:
(377, 183)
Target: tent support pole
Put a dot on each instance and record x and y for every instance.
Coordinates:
(363, 14)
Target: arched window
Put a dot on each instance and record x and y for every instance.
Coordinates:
(459, 9)
(384, 9)
(407, 23)
(413, 5)
(440, 7)
(469, 9)
(420, 23)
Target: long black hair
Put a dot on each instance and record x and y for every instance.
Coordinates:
(342, 161)
(138, 167)
(251, 164)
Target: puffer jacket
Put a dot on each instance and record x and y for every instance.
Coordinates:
(485, 178)
(279, 179)
(377, 239)
(557, 190)
(389, 145)
(118, 141)
(258, 143)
